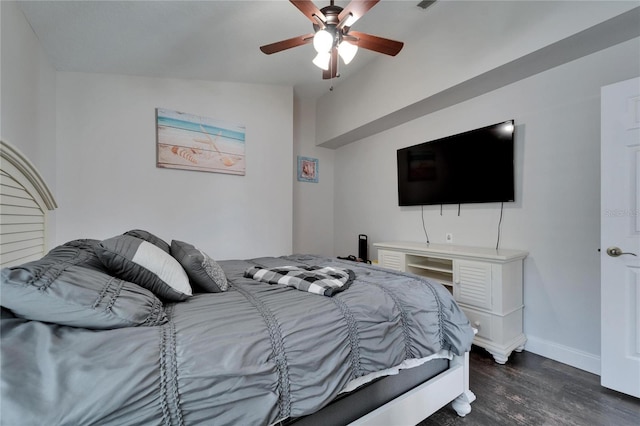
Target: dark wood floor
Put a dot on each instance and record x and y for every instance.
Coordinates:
(533, 390)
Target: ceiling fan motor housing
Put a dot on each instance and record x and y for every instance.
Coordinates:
(331, 14)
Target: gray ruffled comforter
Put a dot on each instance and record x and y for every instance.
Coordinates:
(250, 356)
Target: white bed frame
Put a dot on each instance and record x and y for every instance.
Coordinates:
(25, 201)
(452, 385)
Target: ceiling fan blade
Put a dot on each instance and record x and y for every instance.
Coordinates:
(332, 72)
(375, 43)
(287, 44)
(357, 8)
(309, 9)
(426, 3)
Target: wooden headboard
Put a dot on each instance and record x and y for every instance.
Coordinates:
(25, 201)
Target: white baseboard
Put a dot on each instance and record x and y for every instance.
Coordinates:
(564, 354)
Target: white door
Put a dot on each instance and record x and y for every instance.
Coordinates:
(620, 237)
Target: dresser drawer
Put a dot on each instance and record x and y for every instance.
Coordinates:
(479, 321)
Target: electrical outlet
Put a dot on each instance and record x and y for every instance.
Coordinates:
(449, 237)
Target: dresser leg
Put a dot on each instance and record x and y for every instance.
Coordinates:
(500, 358)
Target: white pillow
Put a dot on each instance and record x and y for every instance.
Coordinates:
(145, 264)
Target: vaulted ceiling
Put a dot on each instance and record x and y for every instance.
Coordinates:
(208, 40)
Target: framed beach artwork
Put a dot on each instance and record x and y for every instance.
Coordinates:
(308, 169)
(189, 142)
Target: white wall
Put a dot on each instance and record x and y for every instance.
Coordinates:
(459, 40)
(98, 154)
(556, 216)
(108, 182)
(312, 202)
(27, 96)
(28, 92)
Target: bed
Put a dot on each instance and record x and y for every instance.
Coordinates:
(136, 330)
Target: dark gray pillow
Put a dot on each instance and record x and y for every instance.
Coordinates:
(145, 264)
(67, 287)
(202, 270)
(149, 237)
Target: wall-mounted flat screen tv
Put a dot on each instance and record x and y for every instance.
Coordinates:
(471, 167)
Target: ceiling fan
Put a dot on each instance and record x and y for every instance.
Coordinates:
(333, 37)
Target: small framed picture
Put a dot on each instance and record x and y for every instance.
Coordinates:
(307, 169)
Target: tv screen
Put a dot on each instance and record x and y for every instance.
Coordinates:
(471, 167)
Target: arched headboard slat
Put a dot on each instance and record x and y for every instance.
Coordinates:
(25, 200)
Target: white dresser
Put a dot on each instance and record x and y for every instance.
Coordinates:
(486, 283)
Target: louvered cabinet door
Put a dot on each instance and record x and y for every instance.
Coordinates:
(391, 260)
(472, 283)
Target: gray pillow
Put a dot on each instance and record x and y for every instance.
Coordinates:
(145, 264)
(202, 270)
(67, 287)
(150, 238)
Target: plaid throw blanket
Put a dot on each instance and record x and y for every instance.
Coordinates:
(315, 279)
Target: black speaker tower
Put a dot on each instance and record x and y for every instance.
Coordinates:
(362, 247)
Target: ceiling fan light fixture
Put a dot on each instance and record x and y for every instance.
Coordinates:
(322, 60)
(322, 41)
(347, 51)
